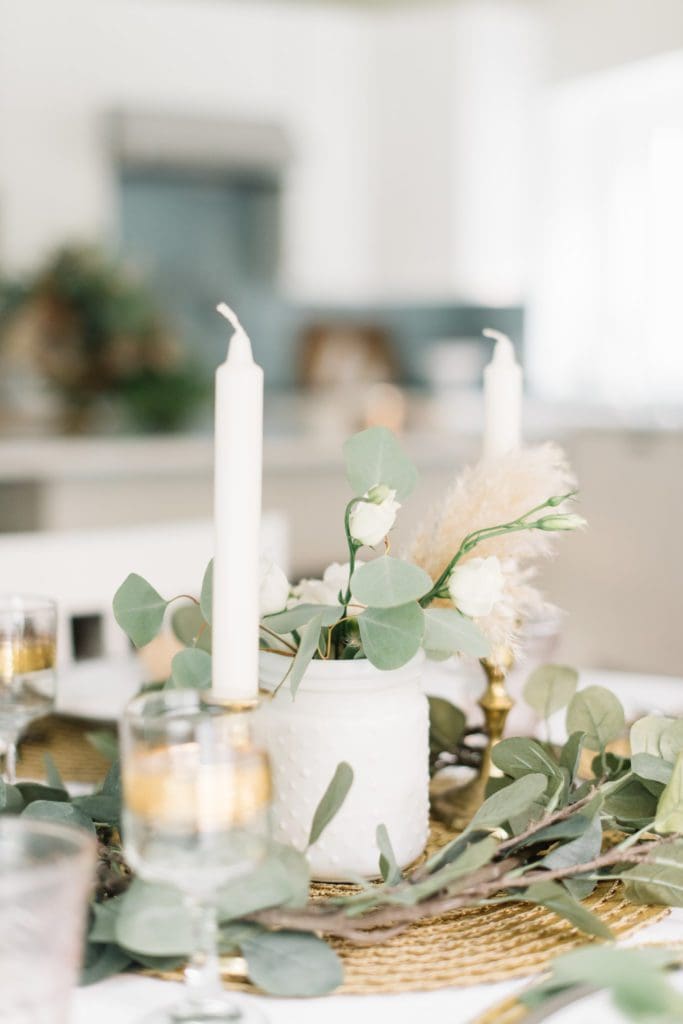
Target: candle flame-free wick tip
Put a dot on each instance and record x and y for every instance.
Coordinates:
(224, 309)
(504, 349)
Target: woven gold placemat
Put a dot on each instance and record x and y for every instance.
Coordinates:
(65, 739)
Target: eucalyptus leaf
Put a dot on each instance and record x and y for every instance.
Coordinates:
(556, 898)
(191, 668)
(550, 688)
(32, 791)
(659, 879)
(100, 808)
(455, 848)
(206, 595)
(104, 917)
(571, 754)
(103, 960)
(105, 743)
(598, 713)
(112, 781)
(471, 857)
(11, 800)
(446, 724)
(646, 734)
(516, 798)
(388, 582)
(62, 813)
(649, 766)
(388, 867)
(447, 631)
(139, 609)
(153, 920)
(391, 636)
(191, 628)
(331, 801)
(54, 779)
(670, 806)
(584, 848)
(671, 742)
(296, 617)
(518, 756)
(375, 457)
(310, 637)
(287, 963)
(632, 803)
(281, 880)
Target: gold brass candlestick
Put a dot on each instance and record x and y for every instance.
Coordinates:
(457, 805)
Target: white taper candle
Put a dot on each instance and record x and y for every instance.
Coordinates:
(502, 398)
(237, 518)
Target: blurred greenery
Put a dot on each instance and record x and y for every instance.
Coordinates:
(93, 330)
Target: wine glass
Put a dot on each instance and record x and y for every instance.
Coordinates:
(28, 628)
(197, 795)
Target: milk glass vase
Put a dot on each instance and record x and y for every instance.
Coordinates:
(375, 720)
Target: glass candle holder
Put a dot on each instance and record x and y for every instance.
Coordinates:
(197, 795)
(28, 644)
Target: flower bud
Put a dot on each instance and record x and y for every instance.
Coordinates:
(274, 588)
(562, 521)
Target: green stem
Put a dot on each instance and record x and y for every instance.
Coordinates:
(353, 549)
(486, 533)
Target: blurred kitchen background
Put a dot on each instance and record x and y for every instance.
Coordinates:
(369, 185)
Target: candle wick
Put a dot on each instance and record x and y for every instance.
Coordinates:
(239, 350)
(504, 350)
(224, 309)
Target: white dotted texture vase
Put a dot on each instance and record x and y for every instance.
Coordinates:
(376, 721)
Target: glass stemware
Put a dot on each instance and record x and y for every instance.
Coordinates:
(28, 629)
(196, 816)
(46, 874)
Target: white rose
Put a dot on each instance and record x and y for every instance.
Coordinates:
(274, 589)
(324, 591)
(476, 586)
(372, 518)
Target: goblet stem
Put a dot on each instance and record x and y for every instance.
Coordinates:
(10, 772)
(202, 974)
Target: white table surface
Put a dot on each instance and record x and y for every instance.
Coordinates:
(126, 998)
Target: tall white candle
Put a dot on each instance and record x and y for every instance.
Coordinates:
(237, 519)
(502, 398)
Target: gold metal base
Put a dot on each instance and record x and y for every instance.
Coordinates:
(457, 805)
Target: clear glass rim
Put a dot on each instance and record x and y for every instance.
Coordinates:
(13, 602)
(75, 845)
(159, 704)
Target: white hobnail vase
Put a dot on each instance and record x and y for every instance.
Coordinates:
(376, 721)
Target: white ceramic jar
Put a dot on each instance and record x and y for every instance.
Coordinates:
(376, 721)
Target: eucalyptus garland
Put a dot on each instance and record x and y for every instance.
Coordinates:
(559, 821)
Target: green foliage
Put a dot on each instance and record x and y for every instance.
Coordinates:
(331, 801)
(388, 582)
(391, 636)
(375, 457)
(550, 688)
(284, 622)
(447, 631)
(596, 712)
(61, 813)
(670, 807)
(139, 609)
(308, 645)
(191, 669)
(388, 867)
(287, 963)
(191, 628)
(554, 897)
(515, 799)
(446, 725)
(635, 979)
(659, 879)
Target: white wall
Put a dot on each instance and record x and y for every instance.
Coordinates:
(407, 125)
(64, 64)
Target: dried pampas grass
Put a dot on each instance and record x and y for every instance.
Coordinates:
(492, 492)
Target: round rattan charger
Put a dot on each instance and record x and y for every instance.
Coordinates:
(465, 947)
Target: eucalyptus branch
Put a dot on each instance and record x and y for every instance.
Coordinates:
(276, 636)
(385, 921)
(353, 547)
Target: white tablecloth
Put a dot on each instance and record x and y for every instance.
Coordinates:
(127, 998)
